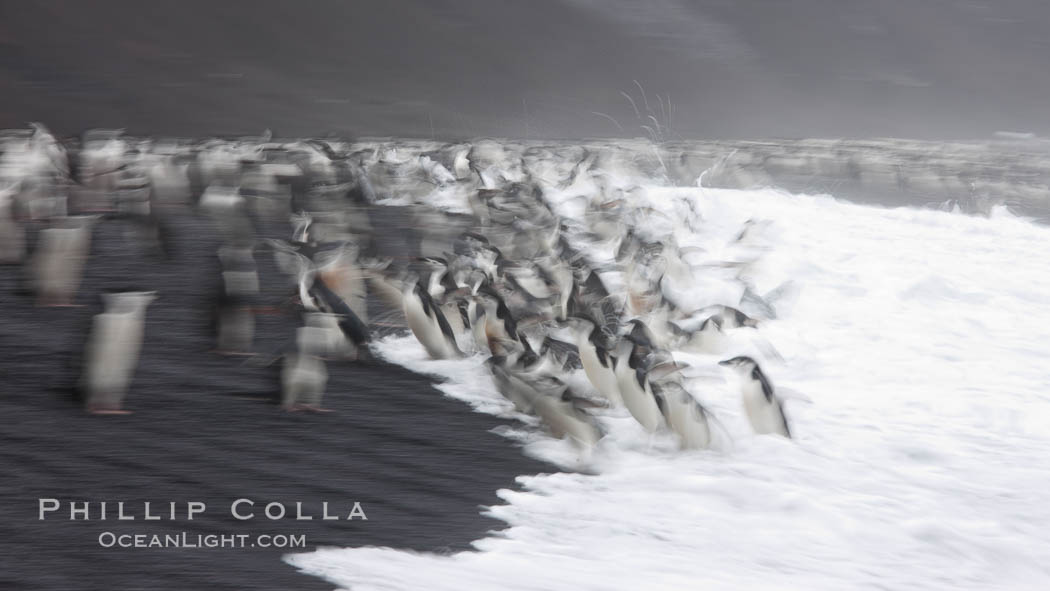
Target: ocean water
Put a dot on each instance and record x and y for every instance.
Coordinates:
(912, 354)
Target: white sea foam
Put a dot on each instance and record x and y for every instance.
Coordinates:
(921, 462)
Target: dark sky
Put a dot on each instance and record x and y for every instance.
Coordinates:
(936, 69)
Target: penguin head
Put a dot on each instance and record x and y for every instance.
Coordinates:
(662, 367)
(434, 263)
(639, 333)
(741, 363)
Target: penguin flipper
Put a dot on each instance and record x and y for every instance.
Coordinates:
(432, 310)
(784, 420)
(767, 387)
(351, 325)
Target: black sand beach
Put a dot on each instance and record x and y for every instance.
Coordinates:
(205, 429)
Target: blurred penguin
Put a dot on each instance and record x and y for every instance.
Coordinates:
(683, 413)
(341, 272)
(304, 376)
(633, 381)
(763, 407)
(597, 360)
(559, 408)
(113, 351)
(12, 234)
(428, 322)
(234, 312)
(58, 261)
(134, 199)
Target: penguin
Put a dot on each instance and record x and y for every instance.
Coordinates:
(239, 289)
(316, 296)
(389, 290)
(556, 405)
(449, 295)
(342, 274)
(731, 317)
(134, 198)
(565, 355)
(764, 409)
(632, 378)
(12, 234)
(439, 281)
(494, 327)
(46, 166)
(483, 308)
(428, 322)
(683, 413)
(560, 276)
(528, 281)
(328, 339)
(548, 398)
(347, 328)
(113, 349)
(223, 202)
(512, 384)
(709, 338)
(598, 363)
(642, 336)
(519, 300)
(58, 261)
(304, 376)
(591, 298)
(322, 299)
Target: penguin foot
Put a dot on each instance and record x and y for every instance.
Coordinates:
(50, 300)
(108, 411)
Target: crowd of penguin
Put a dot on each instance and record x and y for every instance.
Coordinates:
(535, 256)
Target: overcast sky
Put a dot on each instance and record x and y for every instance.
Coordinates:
(934, 69)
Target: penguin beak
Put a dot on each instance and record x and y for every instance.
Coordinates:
(726, 362)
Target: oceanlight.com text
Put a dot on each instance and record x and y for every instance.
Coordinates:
(187, 540)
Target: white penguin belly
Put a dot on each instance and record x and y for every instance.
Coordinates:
(60, 259)
(602, 378)
(686, 419)
(638, 401)
(425, 328)
(765, 416)
(113, 352)
(304, 377)
(455, 321)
